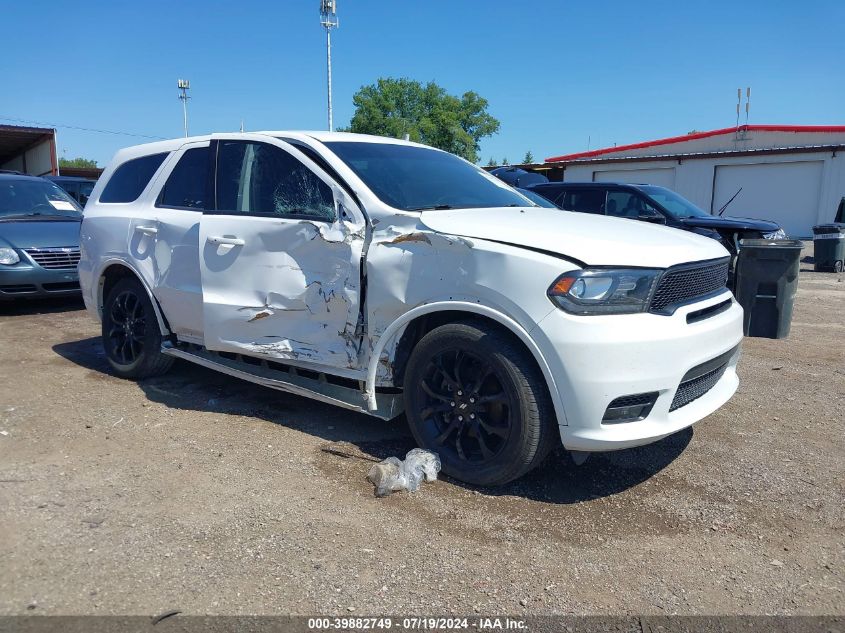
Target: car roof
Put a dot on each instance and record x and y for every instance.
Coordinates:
(634, 185)
(171, 145)
(69, 179)
(13, 175)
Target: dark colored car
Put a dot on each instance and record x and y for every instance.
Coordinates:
(537, 199)
(518, 177)
(650, 203)
(78, 188)
(39, 238)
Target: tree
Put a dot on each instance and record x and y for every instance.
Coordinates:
(505, 161)
(492, 162)
(77, 162)
(425, 113)
(529, 158)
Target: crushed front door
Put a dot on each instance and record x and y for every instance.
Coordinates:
(280, 256)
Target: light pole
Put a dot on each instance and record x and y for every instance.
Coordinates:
(328, 18)
(184, 85)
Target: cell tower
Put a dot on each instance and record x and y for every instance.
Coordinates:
(184, 85)
(328, 19)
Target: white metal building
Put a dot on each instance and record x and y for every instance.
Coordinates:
(791, 174)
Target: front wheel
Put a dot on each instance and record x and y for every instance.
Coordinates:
(131, 335)
(475, 396)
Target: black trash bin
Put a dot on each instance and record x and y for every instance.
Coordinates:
(829, 247)
(766, 281)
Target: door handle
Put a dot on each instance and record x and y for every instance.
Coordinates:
(146, 230)
(229, 241)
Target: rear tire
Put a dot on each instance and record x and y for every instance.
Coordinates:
(131, 336)
(475, 396)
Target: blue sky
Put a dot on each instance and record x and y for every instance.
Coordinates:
(555, 73)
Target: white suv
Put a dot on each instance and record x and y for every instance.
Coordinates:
(382, 276)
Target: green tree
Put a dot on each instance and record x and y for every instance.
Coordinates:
(505, 161)
(425, 113)
(492, 162)
(529, 158)
(77, 162)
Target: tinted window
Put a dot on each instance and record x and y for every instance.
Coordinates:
(85, 190)
(130, 179)
(584, 200)
(415, 178)
(262, 179)
(624, 204)
(185, 187)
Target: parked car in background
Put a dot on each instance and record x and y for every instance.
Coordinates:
(380, 275)
(537, 199)
(518, 177)
(78, 188)
(650, 203)
(39, 238)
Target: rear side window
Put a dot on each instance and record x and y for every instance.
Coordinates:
(185, 188)
(130, 179)
(584, 200)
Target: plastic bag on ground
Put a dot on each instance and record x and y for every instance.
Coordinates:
(393, 474)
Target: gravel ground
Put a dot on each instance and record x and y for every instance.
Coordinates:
(202, 493)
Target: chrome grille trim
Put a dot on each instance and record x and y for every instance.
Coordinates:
(54, 258)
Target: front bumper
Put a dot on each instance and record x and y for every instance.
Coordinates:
(30, 281)
(597, 359)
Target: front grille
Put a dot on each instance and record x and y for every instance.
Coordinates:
(687, 283)
(61, 286)
(54, 258)
(634, 400)
(697, 387)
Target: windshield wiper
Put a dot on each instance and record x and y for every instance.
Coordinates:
(436, 207)
(725, 206)
(40, 216)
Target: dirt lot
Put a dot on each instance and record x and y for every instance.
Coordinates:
(198, 492)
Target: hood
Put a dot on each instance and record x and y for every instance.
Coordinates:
(40, 234)
(733, 224)
(593, 239)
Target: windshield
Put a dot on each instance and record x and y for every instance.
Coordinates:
(416, 178)
(536, 198)
(36, 198)
(677, 206)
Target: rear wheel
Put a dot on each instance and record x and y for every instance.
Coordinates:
(476, 397)
(131, 335)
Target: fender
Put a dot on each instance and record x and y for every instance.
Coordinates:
(464, 306)
(99, 276)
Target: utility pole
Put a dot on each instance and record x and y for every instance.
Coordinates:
(184, 85)
(328, 19)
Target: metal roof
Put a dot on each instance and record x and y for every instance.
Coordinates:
(15, 139)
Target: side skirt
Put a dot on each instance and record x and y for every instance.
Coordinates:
(281, 377)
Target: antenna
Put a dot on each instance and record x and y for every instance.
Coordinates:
(738, 102)
(747, 104)
(329, 21)
(184, 85)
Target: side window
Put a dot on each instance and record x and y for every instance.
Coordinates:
(129, 180)
(261, 179)
(584, 200)
(85, 190)
(185, 187)
(624, 204)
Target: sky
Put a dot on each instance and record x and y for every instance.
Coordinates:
(560, 76)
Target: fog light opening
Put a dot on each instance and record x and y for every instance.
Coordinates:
(631, 408)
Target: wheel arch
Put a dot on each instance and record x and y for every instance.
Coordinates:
(448, 312)
(113, 270)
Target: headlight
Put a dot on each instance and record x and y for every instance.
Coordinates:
(600, 291)
(8, 256)
(780, 234)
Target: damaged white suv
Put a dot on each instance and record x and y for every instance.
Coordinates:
(382, 276)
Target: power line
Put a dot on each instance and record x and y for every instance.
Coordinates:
(83, 129)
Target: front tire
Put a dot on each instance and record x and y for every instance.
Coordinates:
(131, 336)
(475, 396)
